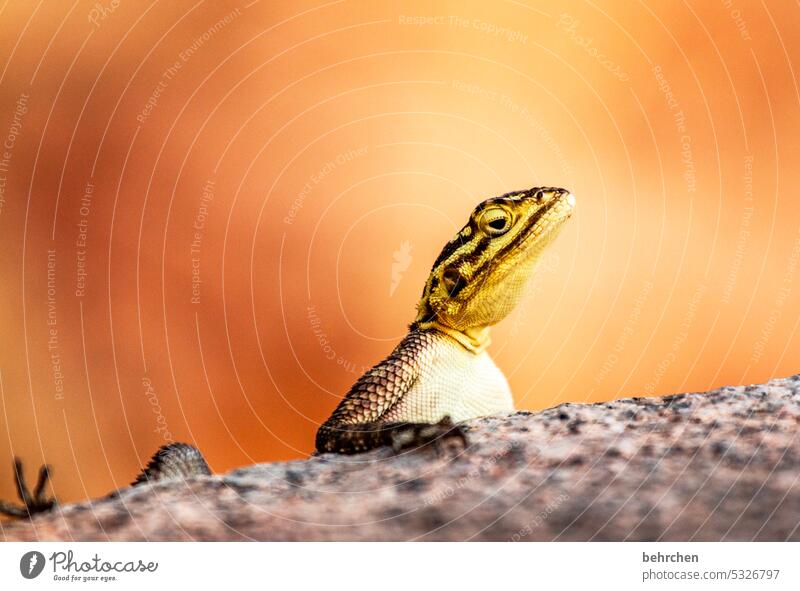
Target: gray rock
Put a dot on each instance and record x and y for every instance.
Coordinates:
(721, 465)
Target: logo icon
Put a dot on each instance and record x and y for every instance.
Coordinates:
(402, 261)
(31, 564)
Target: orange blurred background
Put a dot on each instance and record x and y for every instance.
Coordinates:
(215, 215)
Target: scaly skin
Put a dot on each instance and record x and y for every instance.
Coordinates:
(440, 372)
(174, 460)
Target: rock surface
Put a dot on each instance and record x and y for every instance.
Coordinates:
(721, 465)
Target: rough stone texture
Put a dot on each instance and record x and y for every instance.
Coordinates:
(723, 465)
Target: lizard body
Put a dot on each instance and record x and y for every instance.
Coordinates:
(429, 376)
(440, 372)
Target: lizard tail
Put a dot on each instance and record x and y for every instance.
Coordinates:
(174, 460)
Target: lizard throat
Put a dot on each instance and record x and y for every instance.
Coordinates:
(473, 339)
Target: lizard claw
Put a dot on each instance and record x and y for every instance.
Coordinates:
(417, 435)
(32, 503)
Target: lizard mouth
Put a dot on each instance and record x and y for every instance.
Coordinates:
(564, 203)
(549, 220)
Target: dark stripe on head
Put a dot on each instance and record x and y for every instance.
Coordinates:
(514, 242)
(475, 254)
(532, 221)
(433, 283)
(449, 249)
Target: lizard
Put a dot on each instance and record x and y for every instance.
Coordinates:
(440, 374)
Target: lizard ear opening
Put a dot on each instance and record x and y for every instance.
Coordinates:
(453, 281)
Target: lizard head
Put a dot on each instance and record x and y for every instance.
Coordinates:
(481, 274)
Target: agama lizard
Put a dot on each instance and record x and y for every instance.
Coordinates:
(440, 373)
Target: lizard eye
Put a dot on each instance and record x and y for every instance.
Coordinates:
(495, 221)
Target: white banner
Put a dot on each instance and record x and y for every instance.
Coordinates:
(398, 566)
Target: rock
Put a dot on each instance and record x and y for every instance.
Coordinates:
(721, 465)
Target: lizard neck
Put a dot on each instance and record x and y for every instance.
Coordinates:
(474, 339)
